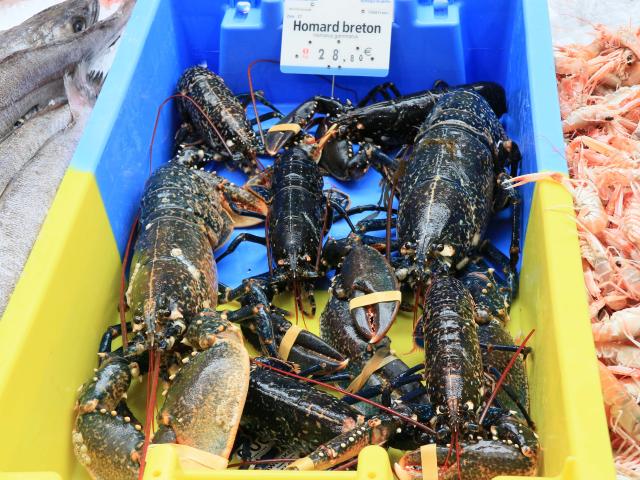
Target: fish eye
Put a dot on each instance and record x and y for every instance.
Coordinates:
(78, 24)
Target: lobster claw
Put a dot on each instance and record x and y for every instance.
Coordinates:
(339, 160)
(309, 350)
(486, 459)
(289, 126)
(366, 273)
(374, 321)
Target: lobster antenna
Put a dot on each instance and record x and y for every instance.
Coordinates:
(328, 386)
(152, 389)
(458, 452)
(263, 461)
(202, 112)
(123, 281)
(253, 93)
(388, 227)
(502, 378)
(394, 183)
(325, 223)
(346, 465)
(268, 244)
(416, 300)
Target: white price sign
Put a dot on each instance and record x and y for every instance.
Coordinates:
(337, 37)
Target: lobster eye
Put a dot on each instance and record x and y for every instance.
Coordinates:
(78, 24)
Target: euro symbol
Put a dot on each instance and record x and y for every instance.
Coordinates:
(367, 52)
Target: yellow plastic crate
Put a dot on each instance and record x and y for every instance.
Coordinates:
(69, 290)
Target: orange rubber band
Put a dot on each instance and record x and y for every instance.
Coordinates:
(191, 458)
(285, 127)
(375, 297)
(375, 363)
(429, 460)
(288, 341)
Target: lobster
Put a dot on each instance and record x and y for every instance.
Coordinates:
(199, 352)
(498, 441)
(299, 215)
(364, 300)
(384, 125)
(449, 188)
(204, 102)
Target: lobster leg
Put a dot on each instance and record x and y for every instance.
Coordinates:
(369, 208)
(382, 90)
(375, 224)
(342, 212)
(112, 333)
(261, 315)
(514, 198)
(245, 100)
(243, 237)
(375, 431)
(245, 213)
(264, 117)
(500, 260)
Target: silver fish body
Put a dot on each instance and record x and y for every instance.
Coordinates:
(28, 77)
(58, 22)
(23, 143)
(25, 201)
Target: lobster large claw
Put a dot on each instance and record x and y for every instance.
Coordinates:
(289, 126)
(214, 380)
(202, 410)
(372, 289)
(482, 460)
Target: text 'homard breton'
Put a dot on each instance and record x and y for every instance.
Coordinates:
(338, 27)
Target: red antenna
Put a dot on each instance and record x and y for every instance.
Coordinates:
(504, 375)
(253, 95)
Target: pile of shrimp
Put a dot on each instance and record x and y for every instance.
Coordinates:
(599, 91)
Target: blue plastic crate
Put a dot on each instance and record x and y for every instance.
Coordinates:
(69, 290)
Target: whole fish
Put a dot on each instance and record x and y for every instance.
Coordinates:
(23, 143)
(30, 78)
(57, 22)
(24, 203)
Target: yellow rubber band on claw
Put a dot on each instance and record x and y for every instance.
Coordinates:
(191, 458)
(429, 460)
(287, 342)
(285, 127)
(375, 297)
(375, 363)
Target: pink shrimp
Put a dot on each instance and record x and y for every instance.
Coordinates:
(630, 225)
(619, 354)
(621, 408)
(629, 277)
(610, 109)
(622, 325)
